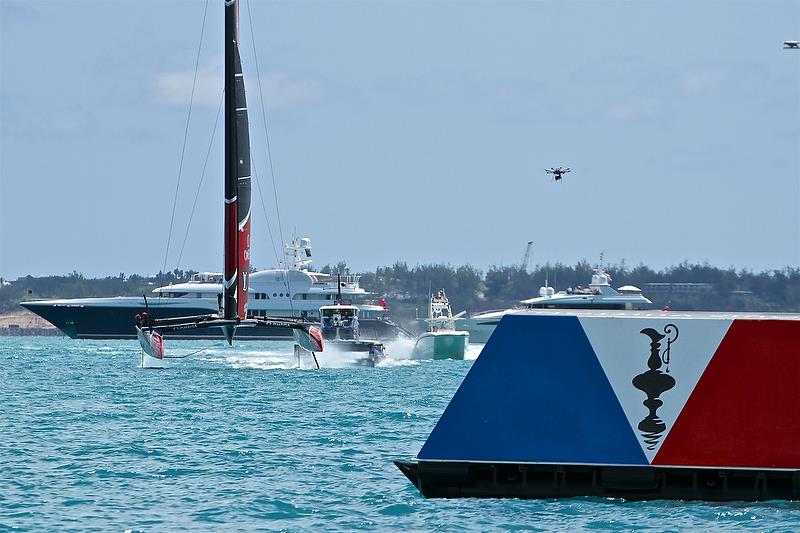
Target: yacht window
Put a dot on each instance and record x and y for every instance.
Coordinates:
(274, 294)
(264, 296)
(258, 296)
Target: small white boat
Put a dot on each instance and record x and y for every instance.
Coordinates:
(442, 340)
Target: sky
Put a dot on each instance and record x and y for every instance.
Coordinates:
(403, 131)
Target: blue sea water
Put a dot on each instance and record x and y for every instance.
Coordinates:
(235, 439)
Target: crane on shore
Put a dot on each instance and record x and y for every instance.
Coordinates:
(526, 258)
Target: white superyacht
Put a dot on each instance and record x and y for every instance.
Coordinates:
(599, 295)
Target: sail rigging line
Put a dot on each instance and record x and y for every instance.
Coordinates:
(185, 136)
(202, 176)
(264, 209)
(269, 152)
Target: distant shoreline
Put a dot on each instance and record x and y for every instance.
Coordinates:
(23, 323)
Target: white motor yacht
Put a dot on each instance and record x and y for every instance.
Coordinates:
(598, 295)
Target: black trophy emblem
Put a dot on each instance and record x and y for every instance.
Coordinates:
(654, 383)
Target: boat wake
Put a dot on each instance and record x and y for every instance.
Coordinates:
(334, 357)
(256, 359)
(390, 362)
(400, 348)
(473, 351)
(283, 358)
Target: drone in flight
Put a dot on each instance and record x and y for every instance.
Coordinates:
(557, 172)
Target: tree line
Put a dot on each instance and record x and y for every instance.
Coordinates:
(406, 288)
(471, 289)
(76, 285)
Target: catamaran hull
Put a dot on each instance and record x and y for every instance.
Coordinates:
(107, 322)
(152, 344)
(441, 345)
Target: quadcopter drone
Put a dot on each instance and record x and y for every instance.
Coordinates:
(557, 172)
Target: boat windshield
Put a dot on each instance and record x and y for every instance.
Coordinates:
(344, 313)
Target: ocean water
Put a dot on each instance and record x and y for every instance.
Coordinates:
(237, 439)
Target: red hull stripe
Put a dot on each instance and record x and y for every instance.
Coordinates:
(244, 269)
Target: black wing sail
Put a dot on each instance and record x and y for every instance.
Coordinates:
(237, 173)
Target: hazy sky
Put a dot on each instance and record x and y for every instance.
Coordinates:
(413, 131)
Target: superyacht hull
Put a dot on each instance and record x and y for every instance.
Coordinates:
(84, 321)
(479, 329)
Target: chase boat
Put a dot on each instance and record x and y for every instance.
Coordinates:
(441, 340)
(341, 334)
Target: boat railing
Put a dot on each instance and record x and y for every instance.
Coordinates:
(206, 277)
(350, 281)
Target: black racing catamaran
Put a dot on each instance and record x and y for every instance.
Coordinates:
(233, 301)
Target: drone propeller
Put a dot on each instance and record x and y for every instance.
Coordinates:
(557, 171)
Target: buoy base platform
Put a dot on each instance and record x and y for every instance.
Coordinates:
(508, 480)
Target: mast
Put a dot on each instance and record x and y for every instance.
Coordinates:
(237, 175)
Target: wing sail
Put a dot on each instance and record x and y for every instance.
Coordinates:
(237, 173)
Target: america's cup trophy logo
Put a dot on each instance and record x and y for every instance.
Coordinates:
(653, 382)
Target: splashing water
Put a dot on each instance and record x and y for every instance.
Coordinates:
(400, 348)
(473, 351)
